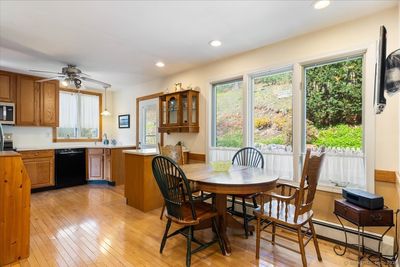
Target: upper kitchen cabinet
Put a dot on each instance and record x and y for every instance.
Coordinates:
(27, 104)
(37, 103)
(179, 112)
(7, 86)
(49, 100)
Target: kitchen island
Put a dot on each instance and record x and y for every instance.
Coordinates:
(141, 189)
(15, 195)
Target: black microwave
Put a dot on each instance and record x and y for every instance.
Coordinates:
(7, 113)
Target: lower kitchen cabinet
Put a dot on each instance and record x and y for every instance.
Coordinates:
(106, 164)
(39, 165)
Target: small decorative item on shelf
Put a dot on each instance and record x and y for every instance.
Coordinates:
(189, 87)
(178, 87)
(196, 89)
(113, 142)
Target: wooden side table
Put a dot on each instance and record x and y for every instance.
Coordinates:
(362, 217)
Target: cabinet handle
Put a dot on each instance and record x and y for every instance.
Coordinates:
(376, 217)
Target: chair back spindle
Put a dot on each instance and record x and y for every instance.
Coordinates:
(248, 156)
(308, 183)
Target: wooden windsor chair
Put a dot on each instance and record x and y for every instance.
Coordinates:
(291, 209)
(247, 156)
(182, 209)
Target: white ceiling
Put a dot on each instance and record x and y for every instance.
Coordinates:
(119, 41)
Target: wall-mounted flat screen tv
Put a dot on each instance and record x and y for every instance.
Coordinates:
(379, 99)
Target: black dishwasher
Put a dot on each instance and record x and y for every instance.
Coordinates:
(70, 167)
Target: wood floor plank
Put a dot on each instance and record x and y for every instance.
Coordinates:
(92, 226)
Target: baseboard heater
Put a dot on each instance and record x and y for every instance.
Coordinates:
(334, 233)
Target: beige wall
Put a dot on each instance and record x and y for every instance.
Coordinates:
(352, 35)
(124, 102)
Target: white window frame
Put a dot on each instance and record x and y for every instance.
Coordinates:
(213, 135)
(368, 114)
(142, 117)
(78, 138)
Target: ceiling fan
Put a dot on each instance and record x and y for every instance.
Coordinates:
(72, 76)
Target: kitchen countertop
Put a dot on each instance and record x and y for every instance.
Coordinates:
(64, 146)
(9, 154)
(142, 152)
(146, 151)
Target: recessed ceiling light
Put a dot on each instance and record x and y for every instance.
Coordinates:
(320, 4)
(160, 64)
(215, 43)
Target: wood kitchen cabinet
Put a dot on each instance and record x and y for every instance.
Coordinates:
(40, 167)
(179, 112)
(27, 104)
(37, 103)
(95, 164)
(106, 164)
(7, 86)
(49, 103)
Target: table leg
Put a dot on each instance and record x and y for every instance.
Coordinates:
(220, 203)
(359, 247)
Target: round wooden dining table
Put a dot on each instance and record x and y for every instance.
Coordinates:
(238, 180)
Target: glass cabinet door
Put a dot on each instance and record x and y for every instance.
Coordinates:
(185, 108)
(163, 112)
(194, 105)
(173, 109)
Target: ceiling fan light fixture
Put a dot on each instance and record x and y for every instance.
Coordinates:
(65, 82)
(105, 113)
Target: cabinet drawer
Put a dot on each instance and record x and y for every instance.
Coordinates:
(36, 154)
(95, 151)
(347, 213)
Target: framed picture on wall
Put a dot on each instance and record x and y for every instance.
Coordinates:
(124, 121)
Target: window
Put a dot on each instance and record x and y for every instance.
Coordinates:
(228, 114)
(79, 116)
(272, 109)
(333, 119)
(327, 103)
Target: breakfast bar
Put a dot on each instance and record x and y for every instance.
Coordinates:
(141, 190)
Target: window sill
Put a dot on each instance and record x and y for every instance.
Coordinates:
(323, 188)
(75, 140)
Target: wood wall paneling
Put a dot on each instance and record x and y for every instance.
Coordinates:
(385, 176)
(15, 189)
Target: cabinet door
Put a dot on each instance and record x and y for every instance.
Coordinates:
(49, 103)
(27, 101)
(95, 164)
(107, 164)
(7, 87)
(173, 110)
(40, 171)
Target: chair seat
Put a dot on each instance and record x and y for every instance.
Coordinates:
(204, 211)
(282, 216)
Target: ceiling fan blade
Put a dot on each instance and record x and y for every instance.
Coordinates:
(44, 71)
(84, 74)
(86, 79)
(50, 79)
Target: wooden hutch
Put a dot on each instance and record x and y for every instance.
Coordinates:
(179, 112)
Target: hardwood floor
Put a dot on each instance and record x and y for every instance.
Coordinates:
(92, 226)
